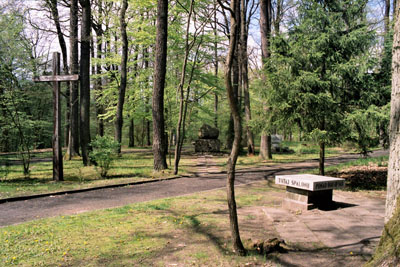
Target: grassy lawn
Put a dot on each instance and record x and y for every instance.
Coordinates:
(130, 167)
(134, 165)
(191, 230)
(302, 151)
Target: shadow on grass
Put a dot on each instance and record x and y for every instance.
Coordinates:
(335, 257)
(25, 181)
(195, 226)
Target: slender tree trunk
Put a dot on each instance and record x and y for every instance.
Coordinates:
(147, 100)
(265, 28)
(230, 133)
(122, 86)
(215, 65)
(148, 132)
(99, 81)
(322, 158)
(278, 16)
(386, 18)
(182, 105)
(393, 183)
(159, 142)
(131, 132)
(85, 80)
(233, 103)
(99, 86)
(244, 27)
(143, 132)
(73, 144)
(56, 18)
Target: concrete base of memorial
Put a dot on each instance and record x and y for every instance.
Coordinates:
(298, 199)
(307, 191)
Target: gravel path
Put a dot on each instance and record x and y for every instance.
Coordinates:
(27, 210)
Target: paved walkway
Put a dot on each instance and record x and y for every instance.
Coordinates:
(352, 231)
(22, 211)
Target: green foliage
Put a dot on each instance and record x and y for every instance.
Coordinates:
(319, 71)
(24, 107)
(103, 153)
(363, 125)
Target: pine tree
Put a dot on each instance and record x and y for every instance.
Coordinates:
(318, 71)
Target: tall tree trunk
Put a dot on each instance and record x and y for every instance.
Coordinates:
(230, 133)
(233, 103)
(73, 144)
(148, 132)
(278, 16)
(265, 148)
(265, 28)
(131, 132)
(99, 86)
(386, 17)
(215, 65)
(244, 27)
(56, 18)
(147, 100)
(182, 105)
(122, 86)
(160, 65)
(99, 81)
(393, 183)
(85, 80)
(322, 158)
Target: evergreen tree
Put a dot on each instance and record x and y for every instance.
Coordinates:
(317, 73)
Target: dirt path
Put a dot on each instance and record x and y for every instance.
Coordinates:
(22, 211)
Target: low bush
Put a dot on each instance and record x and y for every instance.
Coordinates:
(104, 151)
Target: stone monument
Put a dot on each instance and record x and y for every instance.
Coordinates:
(308, 191)
(208, 140)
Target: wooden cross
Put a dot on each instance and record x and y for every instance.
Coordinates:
(56, 78)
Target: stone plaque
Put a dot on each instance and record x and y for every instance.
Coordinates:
(310, 182)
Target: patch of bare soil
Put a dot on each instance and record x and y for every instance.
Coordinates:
(371, 177)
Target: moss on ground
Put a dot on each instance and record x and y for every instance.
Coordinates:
(388, 251)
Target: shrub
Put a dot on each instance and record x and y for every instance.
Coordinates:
(104, 151)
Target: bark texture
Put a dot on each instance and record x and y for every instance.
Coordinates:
(85, 81)
(233, 104)
(322, 158)
(131, 133)
(73, 143)
(56, 18)
(160, 65)
(244, 29)
(58, 173)
(265, 29)
(393, 183)
(215, 65)
(98, 87)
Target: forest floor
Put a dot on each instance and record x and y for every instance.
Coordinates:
(165, 230)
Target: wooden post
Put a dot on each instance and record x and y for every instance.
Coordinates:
(56, 78)
(58, 174)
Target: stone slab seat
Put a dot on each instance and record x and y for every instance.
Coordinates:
(308, 191)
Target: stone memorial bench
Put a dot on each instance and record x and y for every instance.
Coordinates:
(308, 191)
